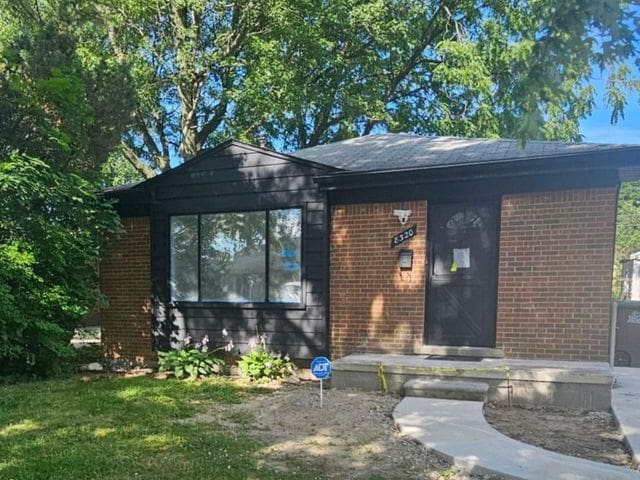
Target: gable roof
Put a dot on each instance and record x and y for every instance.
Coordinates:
(395, 151)
(231, 146)
(351, 160)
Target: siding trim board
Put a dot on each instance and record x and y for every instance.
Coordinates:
(354, 298)
(461, 190)
(233, 148)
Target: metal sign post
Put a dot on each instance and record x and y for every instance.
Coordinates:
(321, 369)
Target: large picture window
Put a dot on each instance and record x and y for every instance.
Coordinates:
(237, 257)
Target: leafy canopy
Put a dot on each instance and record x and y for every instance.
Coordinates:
(52, 231)
(59, 101)
(627, 229)
(186, 74)
(302, 72)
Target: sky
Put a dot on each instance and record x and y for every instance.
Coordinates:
(598, 128)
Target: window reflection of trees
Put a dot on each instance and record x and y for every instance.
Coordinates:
(233, 256)
(285, 234)
(184, 258)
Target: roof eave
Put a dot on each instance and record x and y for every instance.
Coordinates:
(624, 157)
(116, 193)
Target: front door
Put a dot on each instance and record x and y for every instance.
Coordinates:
(463, 274)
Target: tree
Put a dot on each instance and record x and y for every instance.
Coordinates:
(302, 72)
(298, 73)
(627, 229)
(52, 231)
(62, 103)
(58, 100)
(117, 170)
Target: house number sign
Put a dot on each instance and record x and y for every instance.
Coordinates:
(405, 235)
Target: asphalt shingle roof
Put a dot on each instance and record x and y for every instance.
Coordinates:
(122, 188)
(401, 150)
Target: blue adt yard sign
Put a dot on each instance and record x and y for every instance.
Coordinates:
(321, 369)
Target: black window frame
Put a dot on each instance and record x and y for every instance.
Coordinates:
(267, 304)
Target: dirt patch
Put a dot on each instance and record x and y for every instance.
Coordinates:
(352, 437)
(590, 435)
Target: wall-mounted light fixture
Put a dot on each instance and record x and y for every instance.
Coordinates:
(403, 215)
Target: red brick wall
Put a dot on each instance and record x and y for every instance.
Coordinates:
(375, 307)
(126, 282)
(556, 253)
(556, 256)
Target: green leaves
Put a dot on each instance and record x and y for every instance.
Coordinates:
(627, 229)
(190, 362)
(303, 72)
(261, 365)
(621, 85)
(181, 76)
(59, 99)
(52, 232)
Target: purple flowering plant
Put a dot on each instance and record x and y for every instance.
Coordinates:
(192, 360)
(261, 365)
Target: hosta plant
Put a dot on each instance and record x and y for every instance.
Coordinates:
(261, 365)
(191, 361)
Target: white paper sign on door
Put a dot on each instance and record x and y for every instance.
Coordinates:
(461, 257)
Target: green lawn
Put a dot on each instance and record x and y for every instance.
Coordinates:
(124, 428)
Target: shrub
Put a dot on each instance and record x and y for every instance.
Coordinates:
(191, 360)
(52, 231)
(261, 365)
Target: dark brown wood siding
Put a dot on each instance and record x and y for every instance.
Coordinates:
(237, 179)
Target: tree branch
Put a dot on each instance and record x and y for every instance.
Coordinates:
(214, 122)
(428, 36)
(136, 161)
(156, 154)
(322, 123)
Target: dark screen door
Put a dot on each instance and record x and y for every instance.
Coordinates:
(461, 297)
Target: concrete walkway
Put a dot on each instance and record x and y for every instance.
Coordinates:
(458, 431)
(625, 403)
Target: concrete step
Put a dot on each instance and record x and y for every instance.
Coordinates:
(448, 351)
(446, 389)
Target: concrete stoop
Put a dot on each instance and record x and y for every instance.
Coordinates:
(580, 385)
(446, 389)
(457, 431)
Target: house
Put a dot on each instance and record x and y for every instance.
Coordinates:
(388, 243)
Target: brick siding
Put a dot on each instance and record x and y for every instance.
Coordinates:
(556, 256)
(374, 306)
(125, 281)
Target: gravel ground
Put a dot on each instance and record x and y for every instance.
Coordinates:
(592, 435)
(352, 437)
